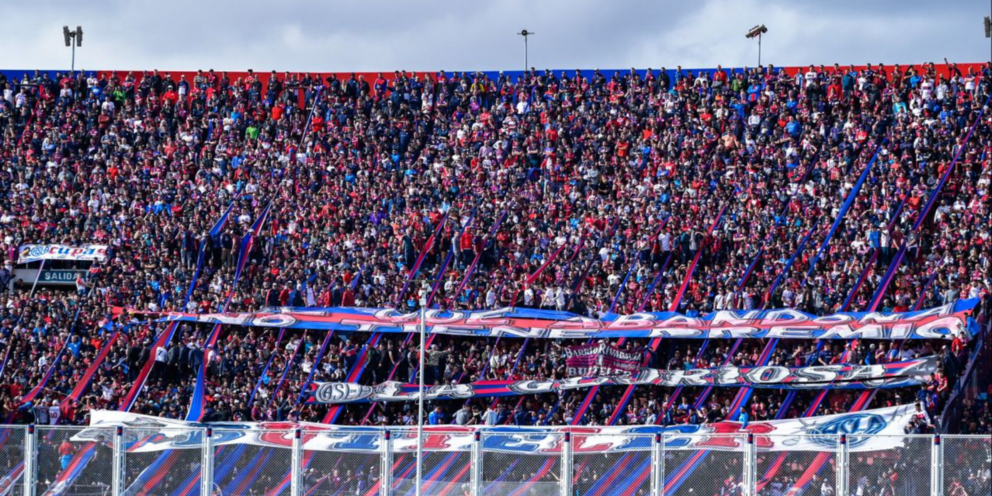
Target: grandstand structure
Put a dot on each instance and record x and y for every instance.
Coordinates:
(632, 281)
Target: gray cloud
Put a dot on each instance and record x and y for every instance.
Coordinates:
(422, 35)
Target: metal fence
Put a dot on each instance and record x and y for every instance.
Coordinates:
(78, 461)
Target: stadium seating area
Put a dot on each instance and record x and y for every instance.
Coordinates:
(557, 191)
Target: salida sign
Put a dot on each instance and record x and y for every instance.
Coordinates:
(59, 277)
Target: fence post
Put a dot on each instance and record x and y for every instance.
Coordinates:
(657, 466)
(842, 466)
(386, 464)
(936, 466)
(295, 471)
(207, 463)
(30, 471)
(750, 467)
(117, 477)
(566, 465)
(475, 477)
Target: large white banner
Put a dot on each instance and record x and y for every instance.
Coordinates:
(840, 376)
(944, 322)
(34, 253)
(867, 431)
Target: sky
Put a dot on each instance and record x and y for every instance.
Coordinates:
(373, 35)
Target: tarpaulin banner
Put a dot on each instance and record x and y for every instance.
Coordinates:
(34, 253)
(890, 375)
(601, 359)
(867, 430)
(943, 322)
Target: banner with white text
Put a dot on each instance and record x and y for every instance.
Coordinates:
(34, 253)
(601, 359)
(878, 376)
(943, 322)
(868, 430)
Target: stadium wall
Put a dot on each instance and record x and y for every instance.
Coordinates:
(942, 69)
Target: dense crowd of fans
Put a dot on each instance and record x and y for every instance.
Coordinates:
(587, 194)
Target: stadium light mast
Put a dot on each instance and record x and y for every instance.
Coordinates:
(988, 34)
(73, 38)
(756, 32)
(525, 34)
(420, 398)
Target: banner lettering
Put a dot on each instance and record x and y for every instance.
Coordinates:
(868, 430)
(879, 376)
(944, 322)
(34, 253)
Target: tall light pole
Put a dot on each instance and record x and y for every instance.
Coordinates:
(757, 31)
(420, 398)
(988, 33)
(525, 34)
(73, 39)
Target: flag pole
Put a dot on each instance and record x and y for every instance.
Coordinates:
(420, 399)
(37, 276)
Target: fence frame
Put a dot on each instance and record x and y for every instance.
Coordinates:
(30, 460)
(386, 464)
(478, 454)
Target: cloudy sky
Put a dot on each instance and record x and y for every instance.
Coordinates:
(369, 35)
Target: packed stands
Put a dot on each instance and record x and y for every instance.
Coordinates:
(823, 189)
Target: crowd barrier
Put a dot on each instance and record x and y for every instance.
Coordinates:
(52, 461)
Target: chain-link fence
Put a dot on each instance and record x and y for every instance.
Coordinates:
(611, 464)
(902, 468)
(967, 465)
(82, 461)
(808, 465)
(171, 471)
(717, 469)
(74, 461)
(250, 469)
(12, 460)
(446, 470)
(523, 463)
(355, 470)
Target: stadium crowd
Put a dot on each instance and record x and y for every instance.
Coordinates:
(587, 194)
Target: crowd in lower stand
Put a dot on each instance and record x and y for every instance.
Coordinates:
(591, 194)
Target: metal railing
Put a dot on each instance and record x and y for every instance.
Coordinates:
(78, 461)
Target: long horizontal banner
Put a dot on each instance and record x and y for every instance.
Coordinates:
(941, 322)
(34, 253)
(869, 430)
(891, 375)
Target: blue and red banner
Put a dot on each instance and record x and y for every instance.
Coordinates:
(890, 375)
(943, 322)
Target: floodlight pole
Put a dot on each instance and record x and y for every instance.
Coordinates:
(525, 34)
(759, 49)
(757, 31)
(988, 30)
(73, 38)
(420, 400)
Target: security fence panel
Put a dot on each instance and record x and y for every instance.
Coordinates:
(522, 463)
(151, 470)
(341, 471)
(80, 461)
(446, 468)
(898, 465)
(259, 468)
(611, 464)
(967, 465)
(12, 460)
(74, 461)
(714, 466)
(807, 466)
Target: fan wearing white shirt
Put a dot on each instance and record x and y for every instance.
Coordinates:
(54, 413)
